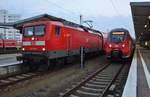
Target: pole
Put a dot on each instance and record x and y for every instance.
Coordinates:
(81, 19)
(82, 58)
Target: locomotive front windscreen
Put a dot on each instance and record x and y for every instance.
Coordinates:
(28, 31)
(35, 30)
(39, 30)
(118, 37)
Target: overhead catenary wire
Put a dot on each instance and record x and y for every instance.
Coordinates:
(66, 11)
(121, 16)
(117, 12)
(122, 10)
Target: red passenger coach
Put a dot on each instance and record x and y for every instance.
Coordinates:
(119, 44)
(8, 46)
(1, 45)
(47, 38)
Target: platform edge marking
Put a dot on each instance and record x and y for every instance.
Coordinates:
(130, 89)
(10, 64)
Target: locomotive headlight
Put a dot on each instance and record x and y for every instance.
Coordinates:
(123, 45)
(32, 38)
(110, 45)
(23, 49)
(43, 49)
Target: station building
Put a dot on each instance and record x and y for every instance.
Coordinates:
(11, 33)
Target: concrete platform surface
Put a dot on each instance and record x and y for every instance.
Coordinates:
(6, 56)
(8, 59)
(143, 89)
(138, 81)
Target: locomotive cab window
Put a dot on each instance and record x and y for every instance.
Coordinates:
(28, 31)
(39, 30)
(57, 31)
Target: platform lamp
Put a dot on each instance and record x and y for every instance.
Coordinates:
(145, 26)
(149, 21)
(148, 27)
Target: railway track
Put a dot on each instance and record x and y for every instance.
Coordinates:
(12, 79)
(119, 82)
(97, 84)
(16, 78)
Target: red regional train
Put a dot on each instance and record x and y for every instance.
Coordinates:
(47, 38)
(8, 46)
(119, 44)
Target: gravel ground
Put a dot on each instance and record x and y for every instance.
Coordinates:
(52, 84)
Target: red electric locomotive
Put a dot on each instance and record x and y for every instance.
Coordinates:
(119, 44)
(47, 38)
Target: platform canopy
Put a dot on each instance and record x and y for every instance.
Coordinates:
(141, 19)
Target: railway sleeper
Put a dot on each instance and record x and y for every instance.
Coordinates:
(86, 94)
(92, 89)
(13, 79)
(73, 95)
(20, 77)
(26, 75)
(102, 79)
(98, 82)
(94, 85)
(4, 81)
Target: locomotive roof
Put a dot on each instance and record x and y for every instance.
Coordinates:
(119, 29)
(19, 24)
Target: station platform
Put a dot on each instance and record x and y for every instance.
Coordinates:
(8, 59)
(138, 81)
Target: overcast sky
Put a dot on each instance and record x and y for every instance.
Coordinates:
(106, 14)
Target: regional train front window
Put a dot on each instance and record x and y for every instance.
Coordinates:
(118, 38)
(28, 31)
(39, 30)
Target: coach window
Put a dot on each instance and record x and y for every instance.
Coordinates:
(57, 31)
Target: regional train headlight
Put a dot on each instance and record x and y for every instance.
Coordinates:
(110, 45)
(43, 49)
(123, 45)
